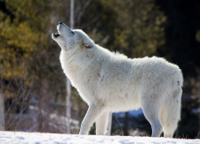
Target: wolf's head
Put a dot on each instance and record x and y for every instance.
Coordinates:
(69, 39)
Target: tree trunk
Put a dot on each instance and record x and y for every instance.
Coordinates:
(68, 85)
(126, 124)
(2, 121)
(199, 123)
(68, 105)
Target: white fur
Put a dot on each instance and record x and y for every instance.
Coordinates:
(111, 82)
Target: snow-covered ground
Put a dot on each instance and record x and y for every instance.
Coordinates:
(49, 138)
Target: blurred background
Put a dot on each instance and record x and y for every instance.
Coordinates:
(32, 83)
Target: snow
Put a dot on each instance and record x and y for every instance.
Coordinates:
(41, 138)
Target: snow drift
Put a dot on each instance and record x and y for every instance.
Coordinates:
(41, 138)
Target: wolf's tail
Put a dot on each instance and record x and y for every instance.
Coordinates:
(171, 111)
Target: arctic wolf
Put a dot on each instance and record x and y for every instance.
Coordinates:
(111, 82)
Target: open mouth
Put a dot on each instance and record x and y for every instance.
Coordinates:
(56, 35)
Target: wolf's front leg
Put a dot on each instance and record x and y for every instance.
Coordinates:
(102, 123)
(93, 113)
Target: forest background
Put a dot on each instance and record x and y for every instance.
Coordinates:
(31, 77)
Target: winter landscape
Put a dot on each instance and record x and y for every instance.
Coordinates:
(47, 138)
(38, 104)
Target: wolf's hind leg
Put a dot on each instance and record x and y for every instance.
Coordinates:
(152, 116)
(150, 106)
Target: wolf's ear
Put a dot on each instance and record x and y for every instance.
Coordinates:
(88, 44)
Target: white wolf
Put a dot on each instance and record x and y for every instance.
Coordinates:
(111, 82)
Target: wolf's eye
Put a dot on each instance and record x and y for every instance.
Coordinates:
(72, 32)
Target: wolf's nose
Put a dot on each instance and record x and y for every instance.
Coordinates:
(60, 22)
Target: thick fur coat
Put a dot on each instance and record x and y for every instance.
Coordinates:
(111, 82)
